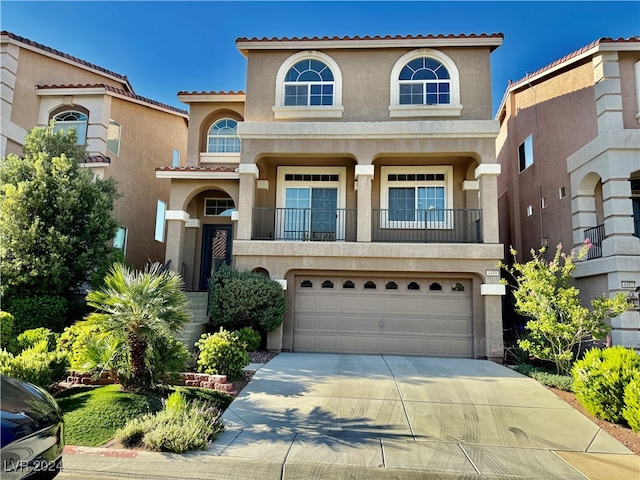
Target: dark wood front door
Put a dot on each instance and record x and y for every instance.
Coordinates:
(216, 250)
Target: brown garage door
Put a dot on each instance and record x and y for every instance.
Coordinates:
(405, 316)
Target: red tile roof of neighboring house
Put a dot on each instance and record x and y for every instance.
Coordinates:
(115, 90)
(96, 159)
(367, 37)
(53, 51)
(566, 59)
(216, 168)
(239, 92)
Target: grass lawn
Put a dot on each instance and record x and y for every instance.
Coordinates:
(92, 415)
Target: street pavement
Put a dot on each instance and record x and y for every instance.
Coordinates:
(325, 416)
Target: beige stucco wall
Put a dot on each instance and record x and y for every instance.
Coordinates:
(366, 75)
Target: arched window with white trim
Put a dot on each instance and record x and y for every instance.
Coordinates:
(309, 82)
(72, 119)
(223, 137)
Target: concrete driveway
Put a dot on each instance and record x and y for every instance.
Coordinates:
(314, 416)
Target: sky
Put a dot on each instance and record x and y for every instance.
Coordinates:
(164, 47)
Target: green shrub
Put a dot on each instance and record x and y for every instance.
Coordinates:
(47, 311)
(37, 367)
(36, 337)
(74, 340)
(6, 329)
(600, 378)
(222, 354)
(183, 425)
(240, 299)
(631, 410)
(166, 359)
(249, 337)
(554, 380)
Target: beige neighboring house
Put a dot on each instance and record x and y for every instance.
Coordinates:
(127, 136)
(361, 173)
(569, 147)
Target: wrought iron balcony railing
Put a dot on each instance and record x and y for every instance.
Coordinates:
(596, 236)
(305, 224)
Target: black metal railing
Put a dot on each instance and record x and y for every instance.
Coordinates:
(427, 226)
(305, 224)
(596, 236)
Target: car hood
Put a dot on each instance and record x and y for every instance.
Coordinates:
(26, 409)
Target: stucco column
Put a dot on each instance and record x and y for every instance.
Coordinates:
(248, 175)
(487, 175)
(176, 220)
(492, 295)
(364, 176)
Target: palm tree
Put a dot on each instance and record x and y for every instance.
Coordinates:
(140, 309)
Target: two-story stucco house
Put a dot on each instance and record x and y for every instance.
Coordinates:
(127, 136)
(361, 173)
(569, 148)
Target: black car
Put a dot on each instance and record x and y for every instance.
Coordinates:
(32, 431)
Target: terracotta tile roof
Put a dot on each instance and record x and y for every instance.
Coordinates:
(58, 53)
(96, 159)
(114, 90)
(239, 92)
(367, 37)
(216, 168)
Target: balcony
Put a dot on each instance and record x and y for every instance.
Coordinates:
(596, 236)
(305, 224)
(427, 226)
(340, 225)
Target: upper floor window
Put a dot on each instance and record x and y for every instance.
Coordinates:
(425, 83)
(525, 153)
(223, 137)
(308, 82)
(72, 119)
(113, 137)
(308, 85)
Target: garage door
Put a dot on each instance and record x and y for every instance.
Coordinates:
(408, 316)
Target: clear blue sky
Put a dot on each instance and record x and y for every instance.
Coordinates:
(167, 47)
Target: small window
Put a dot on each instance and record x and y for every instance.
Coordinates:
(544, 202)
(370, 285)
(120, 240)
(223, 137)
(72, 120)
(457, 287)
(529, 210)
(413, 286)
(306, 284)
(161, 211)
(525, 153)
(216, 206)
(327, 284)
(113, 137)
(176, 158)
(562, 193)
(391, 286)
(435, 286)
(348, 284)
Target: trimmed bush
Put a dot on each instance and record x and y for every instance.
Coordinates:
(166, 359)
(240, 299)
(600, 378)
(46, 311)
(6, 329)
(631, 410)
(37, 367)
(37, 337)
(221, 354)
(249, 337)
(561, 382)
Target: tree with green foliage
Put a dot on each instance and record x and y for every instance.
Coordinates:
(56, 218)
(557, 320)
(141, 310)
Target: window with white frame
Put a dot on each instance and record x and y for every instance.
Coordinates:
(223, 137)
(416, 197)
(425, 82)
(217, 206)
(72, 120)
(525, 153)
(161, 212)
(308, 85)
(120, 240)
(113, 137)
(175, 161)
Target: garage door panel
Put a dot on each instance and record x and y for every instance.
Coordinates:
(399, 321)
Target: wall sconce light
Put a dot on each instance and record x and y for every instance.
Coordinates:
(632, 296)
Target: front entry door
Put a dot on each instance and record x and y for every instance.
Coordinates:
(216, 250)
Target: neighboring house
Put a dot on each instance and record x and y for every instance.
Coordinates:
(127, 136)
(361, 173)
(569, 147)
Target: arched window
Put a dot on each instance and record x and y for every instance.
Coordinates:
(370, 285)
(457, 287)
(327, 284)
(223, 137)
(348, 284)
(413, 286)
(424, 81)
(391, 286)
(72, 120)
(306, 284)
(435, 286)
(309, 82)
